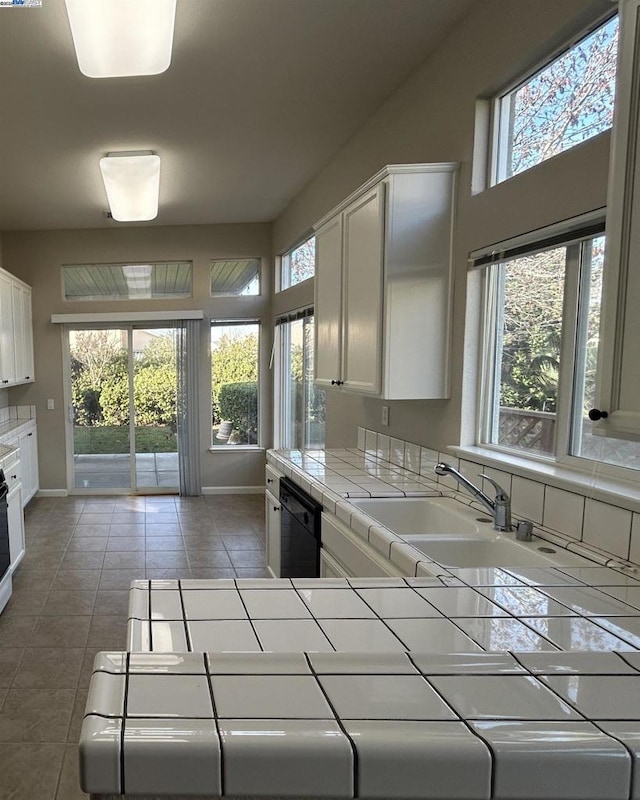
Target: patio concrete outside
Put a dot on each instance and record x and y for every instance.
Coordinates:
(106, 471)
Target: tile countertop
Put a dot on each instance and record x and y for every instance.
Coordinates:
(332, 477)
(347, 702)
(7, 455)
(472, 683)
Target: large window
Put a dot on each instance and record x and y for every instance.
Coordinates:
(302, 406)
(566, 102)
(298, 264)
(541, 351)
(235, 349)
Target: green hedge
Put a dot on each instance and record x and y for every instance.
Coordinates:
(239, 404)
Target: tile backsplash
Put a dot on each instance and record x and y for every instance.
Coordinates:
(9, 413)
(607, 530)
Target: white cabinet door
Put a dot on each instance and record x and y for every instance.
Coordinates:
(272, 523)
(362, 301)
(28, 443)
(19, 343)
(27, 333)
(328, 303)
(618, 392)
(16, 525)
(7, 351)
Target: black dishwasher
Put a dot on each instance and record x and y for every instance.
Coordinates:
(299, 532)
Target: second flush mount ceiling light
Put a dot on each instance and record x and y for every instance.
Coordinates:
(121, 38)
(132, 183)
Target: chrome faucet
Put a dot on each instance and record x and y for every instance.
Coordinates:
(500, 508)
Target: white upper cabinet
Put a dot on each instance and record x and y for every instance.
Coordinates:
(7, 338)
(618, 393)
(383, 286)
(16, 331)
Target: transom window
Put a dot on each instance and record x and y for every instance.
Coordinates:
(566, 102)
(540, 350)
(235, 277)
(149, 281)
(298, 264)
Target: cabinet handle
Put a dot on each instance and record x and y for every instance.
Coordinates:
(595, 414)
(269, 480)
(337, 383)
(13, 477)
(27, 377)
(7, 381)
(277, 508)
(30, 434)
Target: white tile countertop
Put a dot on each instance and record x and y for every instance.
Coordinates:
(333, 477)
(7, 455)
(469, 683)
(340, 697)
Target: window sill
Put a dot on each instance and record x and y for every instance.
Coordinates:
(234, 448)
(625, 494)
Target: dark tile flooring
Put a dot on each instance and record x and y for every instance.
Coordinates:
(70, 601)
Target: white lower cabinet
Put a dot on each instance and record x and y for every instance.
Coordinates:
(272, 520)
(28, 444)
(346, 554)
(16, 524)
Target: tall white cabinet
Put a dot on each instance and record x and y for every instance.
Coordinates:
(16, 331)
(383, 286)
(618, 390)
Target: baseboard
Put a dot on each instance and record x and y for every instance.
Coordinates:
(233, 490)
(52, 493)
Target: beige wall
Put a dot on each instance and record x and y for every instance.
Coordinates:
(432, 118)
(36, 257)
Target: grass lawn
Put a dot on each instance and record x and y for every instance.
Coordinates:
(115, 439)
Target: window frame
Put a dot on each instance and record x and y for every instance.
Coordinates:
(499, 115)
(67, 268)
(285, 261)
(282, 404)
(259, 445)
(570, 380)
(229, 296)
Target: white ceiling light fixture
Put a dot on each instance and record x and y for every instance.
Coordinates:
(132, 183)
(120, 38)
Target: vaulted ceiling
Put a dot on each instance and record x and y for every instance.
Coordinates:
(259, 96)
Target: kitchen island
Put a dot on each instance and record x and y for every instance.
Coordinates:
(450, 683)
(348, 702)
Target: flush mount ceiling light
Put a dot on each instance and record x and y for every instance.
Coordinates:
(132, 182)
(119, 38)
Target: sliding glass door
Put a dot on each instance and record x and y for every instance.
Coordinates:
(123, 408)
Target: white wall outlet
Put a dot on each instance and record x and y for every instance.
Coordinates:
(385, 415)
(51, 404)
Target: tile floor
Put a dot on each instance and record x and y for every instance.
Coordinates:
(70, 600)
